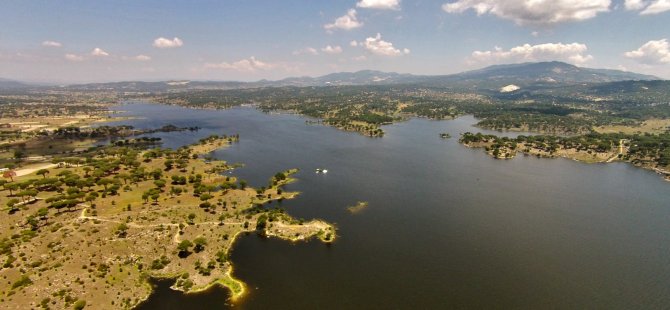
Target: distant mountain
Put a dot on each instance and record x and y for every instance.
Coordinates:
(6, 84)
(653, 92)
(366, 77)
(537, 74)
(524, 76)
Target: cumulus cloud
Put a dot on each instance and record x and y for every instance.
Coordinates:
(647, 7)
(332, 49)
(653, 52)
(379, 4)
(167, 43)
(306, 51)
(51, 44)
(346, 22)
(250, 64)
(533, 12)
(573, 53)
(73, 57)
(378, 46)
(353, 43)
(99, 52)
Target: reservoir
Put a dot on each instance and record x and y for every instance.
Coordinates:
(446, 226)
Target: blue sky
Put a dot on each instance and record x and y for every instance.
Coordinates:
(86, 41)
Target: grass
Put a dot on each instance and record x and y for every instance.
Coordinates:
(649, 126)
(82, 252)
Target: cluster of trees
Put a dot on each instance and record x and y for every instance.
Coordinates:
(641, 148)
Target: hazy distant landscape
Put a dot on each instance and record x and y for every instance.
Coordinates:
(352, 155)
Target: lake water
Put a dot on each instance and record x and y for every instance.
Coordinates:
(446, 227)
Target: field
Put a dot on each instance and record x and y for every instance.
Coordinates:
(94, 232)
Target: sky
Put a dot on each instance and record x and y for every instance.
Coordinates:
(58, 41)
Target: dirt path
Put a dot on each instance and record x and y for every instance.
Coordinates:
(176, 239)
(26, 171)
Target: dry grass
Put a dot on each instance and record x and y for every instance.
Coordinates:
(649, 126)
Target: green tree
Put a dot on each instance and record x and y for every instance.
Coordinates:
(43, 214)
(42, 172)
(200, 244)
(184, 247)
(11, 204)
(122, 230)
(261, 223)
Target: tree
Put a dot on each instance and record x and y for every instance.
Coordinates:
(91, 197)
(168, 164)
(183, 248)
(42, 172)
(191, 217)
(243, 184)
(11, 187)
(200, 244)
(26, 193)
(12, 204)
(125, 177)
(43, 214)
(261, 223)
(18, 154)
(9, 174)
(205, 197)
(104, 183)
(159, 183)
(155, 196)
(33, 222)
(122, 230)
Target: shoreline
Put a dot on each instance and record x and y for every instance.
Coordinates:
(236, 287)
(606, 160)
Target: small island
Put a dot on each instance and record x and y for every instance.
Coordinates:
(358, 207)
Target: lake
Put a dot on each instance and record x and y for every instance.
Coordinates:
(446, 227)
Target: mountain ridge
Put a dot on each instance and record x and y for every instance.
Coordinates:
(490, 77)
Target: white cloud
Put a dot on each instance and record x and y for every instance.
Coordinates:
(332, 49)
(250, 64)
(307, 51)
(51, 44)
(353, 43)
(533, 12)
(653, 52)
(573, 53)
(73, 57)
(647, 7)
(634, 4)
(378, 46)
(99, 52)
(142, 58)
(167, 43)
(379, 4)
(346, 22)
